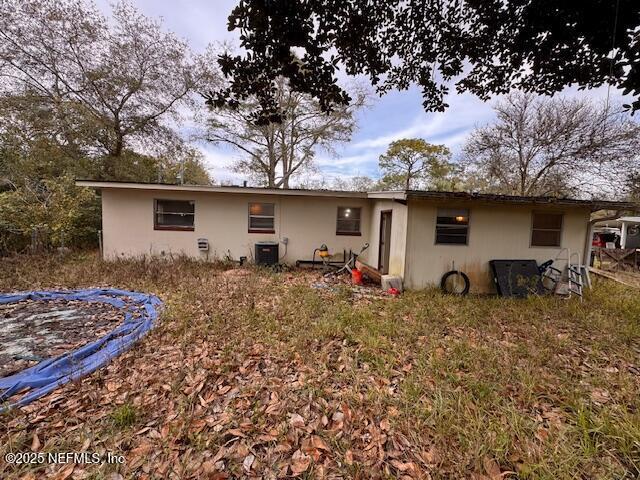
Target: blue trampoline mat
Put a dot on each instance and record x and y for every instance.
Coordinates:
(140, 314)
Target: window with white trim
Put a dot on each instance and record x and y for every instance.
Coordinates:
(452, 226)
(348, 222)
(262, 217)
(546, 229)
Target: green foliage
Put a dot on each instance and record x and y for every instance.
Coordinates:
(412, 163)
(60, 213)
(184, 161)
(87, 98)
(186, 166)
(486, 48)
(38, 195)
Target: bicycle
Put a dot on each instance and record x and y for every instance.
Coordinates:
(350, 264)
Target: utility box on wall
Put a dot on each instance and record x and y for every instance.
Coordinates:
(267, 253)
(203, 244)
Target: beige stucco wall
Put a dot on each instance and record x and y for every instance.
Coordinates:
(398, 235)
(495, 232)
(222, 218)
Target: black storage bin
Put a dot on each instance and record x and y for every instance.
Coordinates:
(516, 278)
(267, 253)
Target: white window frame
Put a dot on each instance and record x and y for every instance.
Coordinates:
(446, 225)
(359, 219)
(272, 217)
(560, 230)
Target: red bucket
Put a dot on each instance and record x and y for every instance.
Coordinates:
(356, 276)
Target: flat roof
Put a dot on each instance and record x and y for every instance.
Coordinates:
(517, 199)
(217, 189)
(401, 195)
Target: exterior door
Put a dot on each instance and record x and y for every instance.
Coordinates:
(385, 242)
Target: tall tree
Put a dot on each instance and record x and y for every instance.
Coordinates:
(105, 86)
(38, 194)
(552, 146)
(411, 163)
(83, 96)
(486, 47)
(273, 153)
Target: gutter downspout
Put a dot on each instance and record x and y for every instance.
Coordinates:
(588, 244)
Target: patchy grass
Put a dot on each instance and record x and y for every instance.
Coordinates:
(124, 416)
(252, 373)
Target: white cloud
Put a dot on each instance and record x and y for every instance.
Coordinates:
(463, 114)
(418, 129)
(348, 160)
(219, 163)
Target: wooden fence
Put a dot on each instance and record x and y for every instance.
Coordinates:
(617, 258)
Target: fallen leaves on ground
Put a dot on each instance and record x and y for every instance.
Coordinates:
(248, 376)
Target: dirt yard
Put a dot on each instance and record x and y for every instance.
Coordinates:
(252, 374)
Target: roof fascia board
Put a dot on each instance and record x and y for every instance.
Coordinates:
(388, 195)
(214, 189)
(399, 195)
(594, 205)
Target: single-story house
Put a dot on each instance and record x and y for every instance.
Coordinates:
(417, 235)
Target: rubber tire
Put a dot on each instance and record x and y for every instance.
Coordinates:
(467, 284)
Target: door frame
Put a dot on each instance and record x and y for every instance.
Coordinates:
(380, 242)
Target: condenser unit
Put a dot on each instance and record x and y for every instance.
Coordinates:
(267, 253)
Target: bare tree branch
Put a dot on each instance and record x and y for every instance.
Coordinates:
(277, 152)
(551, 146)
(121, 82)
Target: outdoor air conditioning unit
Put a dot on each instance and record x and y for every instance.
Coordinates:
(267, 253)
(203, 244)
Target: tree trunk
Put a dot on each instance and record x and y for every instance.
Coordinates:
(271, 179)
(115, 152)
(109, 167)
(407, 182)
(523, 184)
(119, 146)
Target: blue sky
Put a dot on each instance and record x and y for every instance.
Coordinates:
(396, 115)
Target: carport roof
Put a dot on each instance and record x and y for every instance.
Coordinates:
(593, 204)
